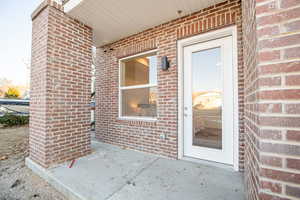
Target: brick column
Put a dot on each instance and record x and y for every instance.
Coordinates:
(271, 31)
(60, 86)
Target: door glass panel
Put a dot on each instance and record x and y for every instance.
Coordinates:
(207, 98)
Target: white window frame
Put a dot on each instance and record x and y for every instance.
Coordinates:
(134, 87)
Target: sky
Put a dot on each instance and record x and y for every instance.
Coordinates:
(15, 39)
(207, 74)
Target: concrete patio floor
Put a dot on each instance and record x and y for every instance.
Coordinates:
(112, 173)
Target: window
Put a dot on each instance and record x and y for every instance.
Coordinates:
(138, 86)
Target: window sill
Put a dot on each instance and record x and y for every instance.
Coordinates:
(146, 119)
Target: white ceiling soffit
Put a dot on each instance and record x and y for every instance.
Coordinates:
(112, 20)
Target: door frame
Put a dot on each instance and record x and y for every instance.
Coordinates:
(212, 35)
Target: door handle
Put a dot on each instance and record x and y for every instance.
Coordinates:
(185, 115)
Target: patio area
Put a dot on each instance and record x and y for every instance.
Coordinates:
(113, 173)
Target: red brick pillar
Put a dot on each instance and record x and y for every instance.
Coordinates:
(271, 30)
(60, 86)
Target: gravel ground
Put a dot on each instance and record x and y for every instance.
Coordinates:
(17, 182)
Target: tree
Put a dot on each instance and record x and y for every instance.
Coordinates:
(12, 93)
(1, 93)
(4, 85)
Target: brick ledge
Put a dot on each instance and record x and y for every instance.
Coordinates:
(43, 5)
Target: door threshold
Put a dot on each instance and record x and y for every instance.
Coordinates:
(209, 163)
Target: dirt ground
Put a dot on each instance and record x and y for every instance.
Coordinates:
(17, 182)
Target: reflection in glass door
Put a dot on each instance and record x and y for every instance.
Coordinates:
(207, 98)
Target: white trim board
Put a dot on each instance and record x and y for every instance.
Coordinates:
(229, 31)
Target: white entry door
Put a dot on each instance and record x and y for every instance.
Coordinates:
(208, 100)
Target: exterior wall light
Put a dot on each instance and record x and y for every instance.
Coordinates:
(165, 63)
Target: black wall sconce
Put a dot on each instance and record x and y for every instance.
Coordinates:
(165, 63)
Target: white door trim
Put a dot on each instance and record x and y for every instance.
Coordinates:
(229, 31)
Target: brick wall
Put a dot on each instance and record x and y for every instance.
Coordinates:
(251, 112)
(60, 86)
(141, 135)
(272, 98)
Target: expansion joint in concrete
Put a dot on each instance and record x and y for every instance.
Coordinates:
(131, 179)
